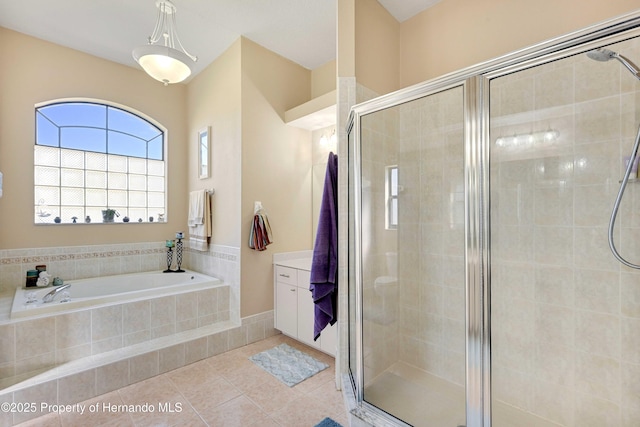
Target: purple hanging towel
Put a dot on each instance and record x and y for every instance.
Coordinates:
(324, 265)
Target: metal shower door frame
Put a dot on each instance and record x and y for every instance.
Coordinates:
(475, 82)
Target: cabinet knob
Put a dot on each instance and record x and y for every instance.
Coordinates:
(292, 289)
(284, 275)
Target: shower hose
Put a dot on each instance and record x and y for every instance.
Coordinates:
(616, 205)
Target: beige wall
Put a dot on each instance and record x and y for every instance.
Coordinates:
(346, 44)
(377, 41)
(34, 71)
(242, 96)
(323, 79)
(455, 34)
(276, 167)
(213, 99)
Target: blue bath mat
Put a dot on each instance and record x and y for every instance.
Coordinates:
(287, 364)
(328, 422)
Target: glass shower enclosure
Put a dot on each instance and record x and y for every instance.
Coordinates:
(482, 289)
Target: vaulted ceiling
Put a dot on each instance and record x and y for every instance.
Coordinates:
(300, 30)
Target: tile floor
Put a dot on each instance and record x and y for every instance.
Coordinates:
(224, 390)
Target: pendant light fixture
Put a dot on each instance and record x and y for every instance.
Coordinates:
(161, 58)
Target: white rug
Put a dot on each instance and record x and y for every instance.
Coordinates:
(287, 364)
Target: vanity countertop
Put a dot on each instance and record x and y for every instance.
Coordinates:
(298, 263)
(300, 260)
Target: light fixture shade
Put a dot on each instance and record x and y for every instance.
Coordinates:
(160, 58)
(163, 63)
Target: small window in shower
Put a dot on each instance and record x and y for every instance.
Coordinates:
(391, 185)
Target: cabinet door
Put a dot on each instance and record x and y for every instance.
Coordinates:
(306, 317)
(287, 309)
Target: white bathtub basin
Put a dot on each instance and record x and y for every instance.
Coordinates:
(109, 289)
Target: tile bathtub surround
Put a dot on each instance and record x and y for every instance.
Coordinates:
(79, 383)
(79, 262)
(32, 346)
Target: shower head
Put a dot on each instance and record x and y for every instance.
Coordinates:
(604, 55)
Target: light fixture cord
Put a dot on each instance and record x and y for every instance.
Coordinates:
(174, 33)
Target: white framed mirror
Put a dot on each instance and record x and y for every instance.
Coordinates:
(204, 148)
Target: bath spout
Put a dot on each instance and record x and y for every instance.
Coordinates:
(51, 295)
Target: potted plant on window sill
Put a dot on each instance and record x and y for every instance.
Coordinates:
(109, 214)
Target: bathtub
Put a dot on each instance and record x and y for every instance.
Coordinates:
(97, 291)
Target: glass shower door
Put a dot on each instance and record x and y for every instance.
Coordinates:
(412, 259)
(564, 312)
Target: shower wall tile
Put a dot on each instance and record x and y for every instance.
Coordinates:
(553, 402)
(514, 243)
(598, 333)
(598, 120)
(513, 280)
(630, 339)
(554, 206)
(553, 245)
(553, 87)
(592, 204)
(597, 291)
(594, 412)
(630, 385)
(597, 163)
(585, 302)
(555, 364)
(598, 376)
(431, 298)
(595, 80)
(630, 295)
(590, 252)
(431, 234)
(513, 386)
(553, 285)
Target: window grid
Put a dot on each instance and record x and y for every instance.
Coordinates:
(133, 198)
(73, 184)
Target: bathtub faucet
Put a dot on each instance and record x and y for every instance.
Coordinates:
(51, 295)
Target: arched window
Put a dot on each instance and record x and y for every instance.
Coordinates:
(93, 158)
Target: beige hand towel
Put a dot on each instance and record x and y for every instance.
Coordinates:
(200, 233)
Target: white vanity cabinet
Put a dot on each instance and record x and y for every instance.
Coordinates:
(294, 308)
